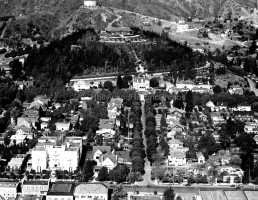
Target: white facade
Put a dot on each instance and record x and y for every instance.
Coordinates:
(81, 85)
(49, 156)
(63, 126)
(90, 4)
(39, 158)
(177, 159)
(141, 83)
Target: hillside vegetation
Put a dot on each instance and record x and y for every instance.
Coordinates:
(183, 8)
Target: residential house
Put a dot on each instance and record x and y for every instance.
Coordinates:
(236, 89)
(63, 126)
(222, 105)
(200, 90)
(39, 158)
(200, 157)
(98, 150)
(176, 113)
(22, 130)
(107, 124)
(245, 116)
(174, 143)
(232, 170)
(43, 125)
(91, 191)
(23, 84)
(175, 125)
(61, 191)
(16, 162)
(141, 83)
(203, 117)
(244, 107)
(124, 157)
(211, 105)
(107, 133)
(217, 118)
(177, 158)
(117, 102)
(34, 187)
(26, 122)
(107, 160)
(112, 112)
(9, 190)
(251, 128)
(18, 139)
(31, 113)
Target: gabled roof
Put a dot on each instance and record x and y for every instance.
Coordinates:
(123, 155)
(101, 148)
(199, 154)
(112, 157)
(24, 129)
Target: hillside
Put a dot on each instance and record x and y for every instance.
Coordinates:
(184, 8)
(55, 17)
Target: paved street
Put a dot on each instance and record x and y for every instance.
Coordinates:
(147, 176)
(252, 86)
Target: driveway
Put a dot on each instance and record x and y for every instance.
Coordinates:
(252, 86)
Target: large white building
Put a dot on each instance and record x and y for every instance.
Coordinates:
(141, 83)
(8, 190)
(90, 4)
(48, 155)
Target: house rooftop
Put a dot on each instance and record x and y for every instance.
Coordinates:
(9, 184)
(91, 188)
(29, 197)
(106, 149)
(35, 182)
(65, 189)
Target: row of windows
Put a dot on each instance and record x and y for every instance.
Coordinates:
(90, 197)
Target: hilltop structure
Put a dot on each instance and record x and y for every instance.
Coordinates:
(90, 4)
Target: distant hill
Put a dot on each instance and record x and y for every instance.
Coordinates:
(48, 18)
(183, 8)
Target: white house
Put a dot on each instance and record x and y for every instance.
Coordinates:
(177, 158)
(98, 150)
(39, 158)
(244, 107)
(81, 85)
(63, 126)
(89, 191)
(141, 83)
(200, 157)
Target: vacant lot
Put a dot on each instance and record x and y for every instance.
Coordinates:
(223, 80)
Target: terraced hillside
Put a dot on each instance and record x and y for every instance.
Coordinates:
(186, 8)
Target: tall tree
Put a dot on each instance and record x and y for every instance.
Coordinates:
(88, 170)
(189, 101)
(119, 82)
(169, 194)
(103, 174)
(179, 102)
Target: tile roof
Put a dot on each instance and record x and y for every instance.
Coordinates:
(35, 182)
